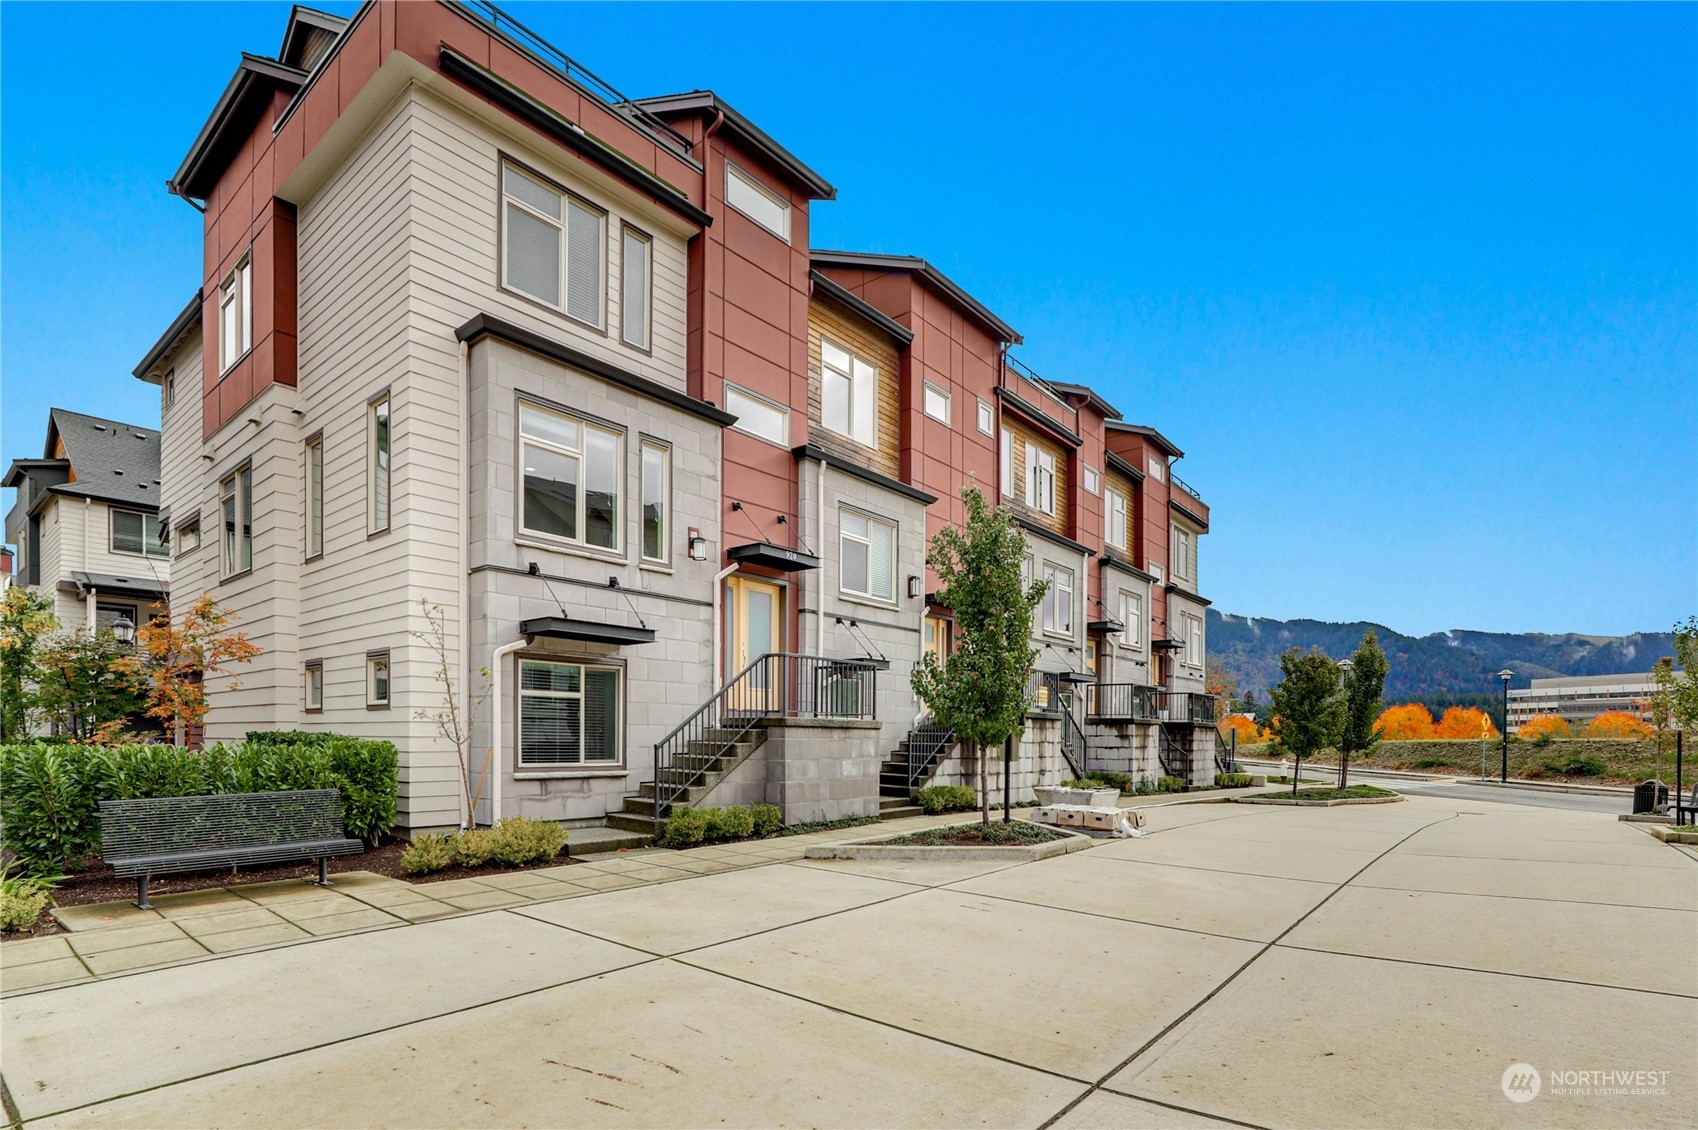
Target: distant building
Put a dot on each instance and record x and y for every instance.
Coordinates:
(1581, 698)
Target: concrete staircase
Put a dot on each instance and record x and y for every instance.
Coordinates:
(895, 798)
(715, 754)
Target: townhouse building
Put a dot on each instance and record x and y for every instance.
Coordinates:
(510, 382)
(85, 521)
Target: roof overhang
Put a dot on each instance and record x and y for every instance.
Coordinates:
(999, 328)
(1102, 407)
(1116, 463)
(1077, 677)
(589, 631)
(189, 319)
(865, 474)
(20, 468)
(1148, 433)
(1168, 645)
(1050, 535)
(707, 102)
(861, 306)
(301, 22)
(769, 556)
(1110, 561)
(1187, 513)
(231, 122)
(1038, 418)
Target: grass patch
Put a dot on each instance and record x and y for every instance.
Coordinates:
(978, 835)
(1353, 792)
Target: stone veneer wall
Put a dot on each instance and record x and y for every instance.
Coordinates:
(812, 769)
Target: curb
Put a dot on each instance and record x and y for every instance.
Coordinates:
(881, 849)
(1320, 803)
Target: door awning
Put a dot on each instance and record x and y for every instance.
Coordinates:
(1105, 627)
(566, 628)
(769, 556)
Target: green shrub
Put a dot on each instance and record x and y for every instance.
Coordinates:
(1232, 780)
(769, 818)
(1576, 767)
(426, 854)
(729, 824)
(946, 798)
(520, 839)
(475, 847)
(48, 805)
(1170, 784)
(22, 899)
(685, 826)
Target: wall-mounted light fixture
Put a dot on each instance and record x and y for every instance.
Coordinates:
(698, 545)
(913, 587)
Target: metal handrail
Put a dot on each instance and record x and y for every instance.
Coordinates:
(1175, 761)
(1037, 382)
(775, 685)
(926, 743)
(1226, 753)
(579, 75)
(1074, 749)
(1044, 689)
(1183, 485)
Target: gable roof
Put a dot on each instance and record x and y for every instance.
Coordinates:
(925, 270)
(231, 121)
(706, 101)
(1148, 433)
(113, 461)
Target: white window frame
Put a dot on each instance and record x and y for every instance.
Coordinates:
(568, 247)
(860, 388)
(581, 454)
(180, 537)
(1040, 479)
(520, 765)
(312, 495)
(168, 389)
(928, 392)
(236, 522)
(986, 417)
(1193, 641)
(376, 661)
(1117, 528)
(782, 439)
(1089, 478)
(1158, 469)
(845, 537)
(1005, 457)
(380, 463)
(162, 547)
(312, 686)
(645, 449)
(235, 313)
(629, 237)
(736, 177)
(1180, 552)
(1132, 620)
(1054, 624)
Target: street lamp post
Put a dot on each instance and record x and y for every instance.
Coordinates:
(1506, 675)
(125, 630)
(1344, 666)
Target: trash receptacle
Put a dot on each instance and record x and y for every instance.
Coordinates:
(1650, 796)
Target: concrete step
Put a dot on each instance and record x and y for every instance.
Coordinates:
(898, 812)
(593, 841)
(631, 822)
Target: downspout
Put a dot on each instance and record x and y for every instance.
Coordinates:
(498, 764)
(464, 651)
(819, 597)
(88, 511)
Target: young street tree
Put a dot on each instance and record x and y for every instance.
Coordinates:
(1308, 705)
(1363, 687)
(455, 716)
(980, 689)
(85, 688)
(1681, 685)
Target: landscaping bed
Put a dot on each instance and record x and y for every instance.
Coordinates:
(1018, 841)
(979, 835)
(1353, 794)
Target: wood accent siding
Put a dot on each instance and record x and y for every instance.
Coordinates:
(1114, 480)
(827, 318)
(1017, 496)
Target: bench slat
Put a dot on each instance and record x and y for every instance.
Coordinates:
(161, 835)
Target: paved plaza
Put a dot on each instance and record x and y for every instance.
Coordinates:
(1356, 966)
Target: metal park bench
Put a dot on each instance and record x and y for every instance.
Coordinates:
(170, 835)
(1686, 808)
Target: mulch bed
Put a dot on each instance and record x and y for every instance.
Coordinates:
(977, 835)
(95, 882)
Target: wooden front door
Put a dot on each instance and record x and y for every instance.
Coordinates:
(754, 626)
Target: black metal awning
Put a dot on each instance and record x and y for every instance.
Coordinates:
(1168, 645)
(110, 584)
(1105, 627)
(769, 556)
(1077, 677)
(565, 628)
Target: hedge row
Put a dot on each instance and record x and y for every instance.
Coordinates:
(50, 794)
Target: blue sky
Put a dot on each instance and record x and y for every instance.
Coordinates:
(1415, 288)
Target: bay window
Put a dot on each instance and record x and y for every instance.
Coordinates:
(573, 480)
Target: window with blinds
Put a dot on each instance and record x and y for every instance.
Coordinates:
(553, 247)
(569, 715)
(135, 532)
(634, 288)
(867, 556)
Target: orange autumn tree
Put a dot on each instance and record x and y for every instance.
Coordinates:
(1406, 722)
(1465, 722)
(1244, 726)
(177, 656)
(1619, 724)
(1543, 726)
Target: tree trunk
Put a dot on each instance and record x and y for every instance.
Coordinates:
(984, 787)
(1007, 779)
(1296, 774)
(1343, 767)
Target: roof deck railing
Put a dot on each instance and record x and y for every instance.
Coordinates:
(576, 73)
(1184, 486)
(1037, 382)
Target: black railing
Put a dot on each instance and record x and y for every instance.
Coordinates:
(1073, 747)
(777, 685)
(1187, 706)
(1122, 702)
(1183, 485)
(1226, 753)
(1175, 758)
(926, 744)
(1044, 689)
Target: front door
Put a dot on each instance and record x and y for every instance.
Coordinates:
(754, 626)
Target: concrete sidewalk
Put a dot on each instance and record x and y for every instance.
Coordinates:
(1371, 966)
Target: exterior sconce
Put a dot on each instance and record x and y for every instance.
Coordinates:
(913, 587)
(698, 545)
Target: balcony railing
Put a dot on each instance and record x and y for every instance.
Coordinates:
(1135, 702)
(1184, 486)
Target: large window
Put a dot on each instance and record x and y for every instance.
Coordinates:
(315, 496)
(1040, 479)
(235, 314)
(1193, 641)
(758, 416)
(1132, 616)
(1183, 554)
(379, 437)
(848, 393)
(573, 477)
(1058, 600)
(235, 503)
(568, 715)
(1117, 521)
(634, 275)
(657, 502)
(752, 198)
(552, 242)
(135, 532)
(106, 614)
(867, 557)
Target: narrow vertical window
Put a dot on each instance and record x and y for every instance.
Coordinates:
(315, 497)
(168, 390)
(1132, 620)
(378, 440)
(987, 421)
(235, 502)
(657, 490)
(634, 289)
(314, 689)
(235, 313)
(1115, 523)
(584, 247)
(377, 680)
(1058, 600)
(1007, 463)
(1040, 479)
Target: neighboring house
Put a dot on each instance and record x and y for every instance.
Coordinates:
(1581, 698)
(85, 521)
(477, 331)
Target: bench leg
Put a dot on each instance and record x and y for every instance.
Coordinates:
(141, 893)
(324, 871)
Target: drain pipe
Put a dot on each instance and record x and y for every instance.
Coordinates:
(498, 766)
